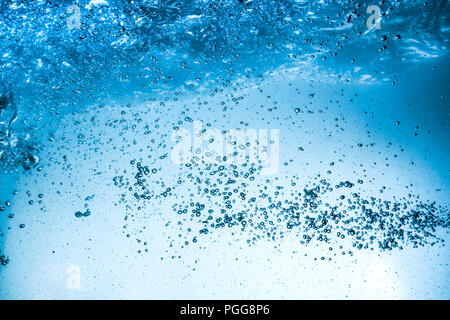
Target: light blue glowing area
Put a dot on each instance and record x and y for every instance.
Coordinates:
(92, 205)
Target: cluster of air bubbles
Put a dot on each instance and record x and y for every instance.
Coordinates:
(230, 198)
(86, 212)
(15, 149)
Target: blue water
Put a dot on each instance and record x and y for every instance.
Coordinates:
(93, 203)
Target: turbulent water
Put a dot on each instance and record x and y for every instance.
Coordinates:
(95, 96)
